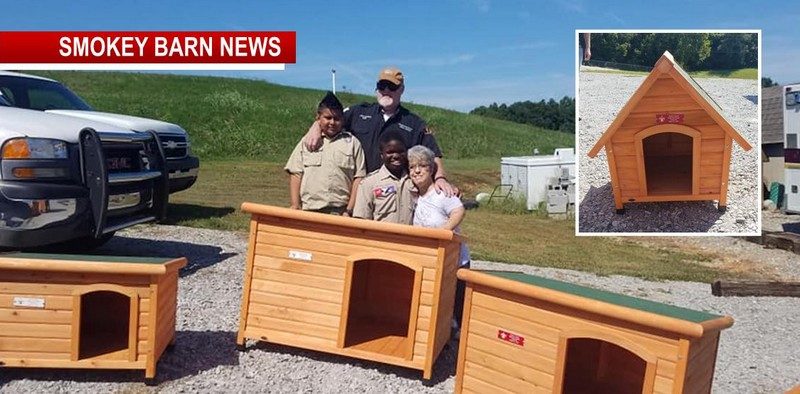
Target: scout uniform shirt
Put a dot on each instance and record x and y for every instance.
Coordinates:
(327, 173)
(385, 198)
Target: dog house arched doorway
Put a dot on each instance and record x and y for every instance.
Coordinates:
(668, 160)
(380, 305)
(105, 323)
(597, 362)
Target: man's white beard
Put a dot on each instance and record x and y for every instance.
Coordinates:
(385, 101)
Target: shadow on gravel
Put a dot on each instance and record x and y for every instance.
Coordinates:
(194, 352)
(752, 98)
(182, 212)
(200, 256)
(444, 367)
(598, 214)
(75, 375)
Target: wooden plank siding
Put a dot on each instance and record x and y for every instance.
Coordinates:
(299, 265)
(548, 320)
(48, 337)
(166, 312)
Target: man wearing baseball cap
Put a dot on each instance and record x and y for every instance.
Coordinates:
(368, 122)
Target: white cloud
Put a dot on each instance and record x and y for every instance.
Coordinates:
(572, 5)
(528, 45)
(612, 16)
(482, 5)
(433, 61)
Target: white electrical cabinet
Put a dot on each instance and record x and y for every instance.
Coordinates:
(529, 176)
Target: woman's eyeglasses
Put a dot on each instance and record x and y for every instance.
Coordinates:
(387, 85)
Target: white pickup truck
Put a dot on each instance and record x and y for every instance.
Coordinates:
(44, 94)
(64, 178)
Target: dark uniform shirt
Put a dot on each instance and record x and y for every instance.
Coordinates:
(365, 122)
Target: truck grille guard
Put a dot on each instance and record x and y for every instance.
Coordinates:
(98, 180)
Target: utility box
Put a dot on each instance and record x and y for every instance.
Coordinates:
(557, 199)
(529, 176)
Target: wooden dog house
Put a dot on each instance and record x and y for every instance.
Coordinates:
(670, 142)
(65, 311)
(522, 333)
(360, 288)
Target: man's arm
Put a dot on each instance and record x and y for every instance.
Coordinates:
(313, 137)
(440, 180)
(294, 189)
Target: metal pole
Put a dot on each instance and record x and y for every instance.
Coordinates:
(333, 80)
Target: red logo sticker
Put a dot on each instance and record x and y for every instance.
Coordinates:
(510, 337)
(669, 118)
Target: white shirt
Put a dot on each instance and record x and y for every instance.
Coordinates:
(433, 209)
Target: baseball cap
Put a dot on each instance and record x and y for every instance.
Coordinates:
(392, 75)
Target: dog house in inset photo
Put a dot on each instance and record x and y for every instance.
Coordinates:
(376, 291)
(670, 142)
(526, 334)
(93, 312)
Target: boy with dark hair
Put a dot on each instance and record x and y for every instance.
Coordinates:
(326, 180)
(385, 194)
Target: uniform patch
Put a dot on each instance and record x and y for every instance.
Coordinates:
(384, 191)
(404, 127)
(365, 117)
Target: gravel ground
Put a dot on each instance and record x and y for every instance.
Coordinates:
(760, 353)
(601, 97)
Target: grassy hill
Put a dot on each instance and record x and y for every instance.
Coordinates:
(242, 118)
(243, 130)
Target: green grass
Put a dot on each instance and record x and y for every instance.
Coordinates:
(494, 233)
(231, 118)
(744, 73)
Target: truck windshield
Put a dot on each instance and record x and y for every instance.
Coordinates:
(39, 94)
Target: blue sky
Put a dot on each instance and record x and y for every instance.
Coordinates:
(455, 54)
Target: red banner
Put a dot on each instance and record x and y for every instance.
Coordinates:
(219, 47)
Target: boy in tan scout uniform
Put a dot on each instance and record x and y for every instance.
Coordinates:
(385, 194)
(326, 180)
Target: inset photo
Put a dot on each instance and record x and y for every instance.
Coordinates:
(668, 133)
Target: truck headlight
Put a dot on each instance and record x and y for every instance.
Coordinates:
(34, 148)
(188, 145)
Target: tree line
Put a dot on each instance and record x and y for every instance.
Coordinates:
(550, 114)
(693, 51)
